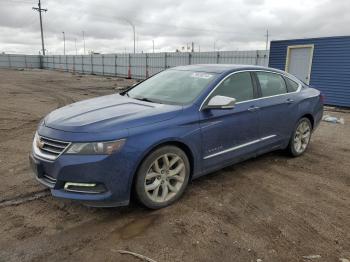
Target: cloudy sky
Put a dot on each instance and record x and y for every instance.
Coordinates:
(171, 24)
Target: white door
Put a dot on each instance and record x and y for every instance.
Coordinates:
(299, 61)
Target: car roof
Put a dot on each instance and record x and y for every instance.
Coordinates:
(222, 68)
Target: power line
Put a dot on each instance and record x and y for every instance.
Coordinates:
(40, 10)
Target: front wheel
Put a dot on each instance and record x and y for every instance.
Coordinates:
(162, 177)
(300, 138)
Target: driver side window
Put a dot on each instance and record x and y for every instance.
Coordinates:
(238, 86)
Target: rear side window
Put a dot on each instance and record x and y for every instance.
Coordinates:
(238, 86)
(292, 86)
(271, 84)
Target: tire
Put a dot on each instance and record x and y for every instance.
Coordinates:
(160, 182)
(300, 138)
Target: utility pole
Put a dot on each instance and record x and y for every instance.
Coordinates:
(133, 29)
(267, 39)
(137, 43)
(64, 43)
(84, 41)
(153, 45)
(39, 9)
(192, 45)
(76, 50)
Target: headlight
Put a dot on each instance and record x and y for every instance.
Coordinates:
(96, 148)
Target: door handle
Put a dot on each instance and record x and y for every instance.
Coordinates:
(289, 101)
(253, 108)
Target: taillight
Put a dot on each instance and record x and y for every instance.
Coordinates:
(322, 97)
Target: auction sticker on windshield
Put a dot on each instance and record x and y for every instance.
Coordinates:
(201, 75)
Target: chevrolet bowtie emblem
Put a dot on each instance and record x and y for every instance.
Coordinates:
(39, 143)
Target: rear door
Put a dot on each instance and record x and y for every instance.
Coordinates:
(230, 133)
(276, 108)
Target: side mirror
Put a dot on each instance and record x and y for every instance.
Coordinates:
(221, 102)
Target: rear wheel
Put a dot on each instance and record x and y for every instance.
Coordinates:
(162, 177)
(301, 137)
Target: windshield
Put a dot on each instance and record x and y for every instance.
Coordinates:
(172, 87)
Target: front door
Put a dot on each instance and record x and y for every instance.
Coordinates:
(299, 61)
(230, 133)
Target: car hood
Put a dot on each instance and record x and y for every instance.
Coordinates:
(107, 113)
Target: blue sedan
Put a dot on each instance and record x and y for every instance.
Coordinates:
(178, 125)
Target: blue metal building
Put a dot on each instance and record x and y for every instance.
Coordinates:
(323, 63)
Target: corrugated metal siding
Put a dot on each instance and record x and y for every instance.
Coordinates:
(87, 64)
(204, 58)
(330, 70)
(19, 61)
(122, 65)
(109, 64)
(156, 63)
(139, 66)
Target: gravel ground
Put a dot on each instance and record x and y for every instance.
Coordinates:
(272, 208)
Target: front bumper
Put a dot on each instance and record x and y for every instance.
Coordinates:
(112, 175)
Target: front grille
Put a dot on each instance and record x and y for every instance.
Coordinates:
(48, 148)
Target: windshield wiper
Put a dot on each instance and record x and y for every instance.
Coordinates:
(146, 100)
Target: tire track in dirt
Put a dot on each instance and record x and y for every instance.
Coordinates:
(30, 126)
(111, 222)
(21, 199)
(14, 133)
(28, 123)
(61, 99)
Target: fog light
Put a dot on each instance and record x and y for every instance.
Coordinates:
(89, 188)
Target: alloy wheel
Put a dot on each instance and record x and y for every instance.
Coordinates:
(165, 177)
(302, 137)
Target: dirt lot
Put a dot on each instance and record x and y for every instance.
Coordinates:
(272, 208)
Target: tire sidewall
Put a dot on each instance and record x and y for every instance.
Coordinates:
(143, 169)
